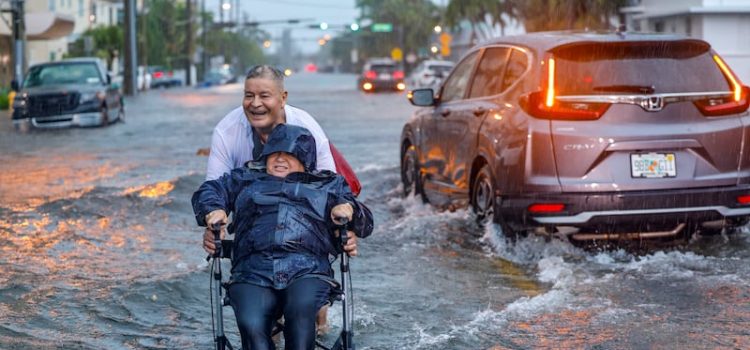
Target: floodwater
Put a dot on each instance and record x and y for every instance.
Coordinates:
(99, 248)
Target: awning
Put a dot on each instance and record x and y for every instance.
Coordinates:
(43, 26)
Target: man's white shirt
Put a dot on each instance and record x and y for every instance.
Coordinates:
(232, 141)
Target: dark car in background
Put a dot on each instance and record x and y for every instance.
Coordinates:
(381, 74)
(588, 135)
(73, 92)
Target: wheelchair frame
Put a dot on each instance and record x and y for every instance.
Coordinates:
(345, 340)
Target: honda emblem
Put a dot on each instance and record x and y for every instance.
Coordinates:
(653, 103)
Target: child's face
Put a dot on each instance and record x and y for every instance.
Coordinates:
(281, 164)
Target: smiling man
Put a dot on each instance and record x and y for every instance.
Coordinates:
(239, 136)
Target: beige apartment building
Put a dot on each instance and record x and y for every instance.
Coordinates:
(53, 24)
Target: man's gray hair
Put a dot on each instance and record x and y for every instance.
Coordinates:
(266, 72)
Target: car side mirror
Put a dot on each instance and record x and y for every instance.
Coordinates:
(14, 85)
(422, 97)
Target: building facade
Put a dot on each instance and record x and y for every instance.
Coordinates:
(725, 24)
(86, 14)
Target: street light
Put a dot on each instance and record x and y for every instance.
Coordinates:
(267, 43)
(438, 29)
(321, 42)
(323, 25)
(354, 27)
(434, 49)
(226, 6)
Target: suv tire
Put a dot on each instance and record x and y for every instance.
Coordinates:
(410, 174)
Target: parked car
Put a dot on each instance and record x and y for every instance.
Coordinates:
(73, 92)
(162, 78)
(381, 74)
(591, 135)
(429, 74)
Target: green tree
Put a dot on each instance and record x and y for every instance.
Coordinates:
(412, 21)
(106, 42)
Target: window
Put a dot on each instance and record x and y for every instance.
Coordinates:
(52, 5)
(489, 75)
(516, 67)
(637, 68)
(80, 8)
(456, 85)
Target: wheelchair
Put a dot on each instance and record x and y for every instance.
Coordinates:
(219, 299)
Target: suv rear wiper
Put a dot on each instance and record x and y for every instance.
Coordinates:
(626, 88)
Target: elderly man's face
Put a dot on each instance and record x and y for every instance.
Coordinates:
(281, 164)
(264, 104)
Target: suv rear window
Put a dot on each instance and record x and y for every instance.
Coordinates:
(636, 68)
(382, 67)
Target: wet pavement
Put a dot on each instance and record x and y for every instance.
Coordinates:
(99, 248)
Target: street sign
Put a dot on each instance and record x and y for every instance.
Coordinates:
(381, 27)
(445, 44)
(397, 54)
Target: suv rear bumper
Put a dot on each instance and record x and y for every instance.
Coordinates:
(623, 210)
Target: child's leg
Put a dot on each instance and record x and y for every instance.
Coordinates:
(302, 300)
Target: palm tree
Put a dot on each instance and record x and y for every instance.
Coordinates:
(484, 15)
(539, 15)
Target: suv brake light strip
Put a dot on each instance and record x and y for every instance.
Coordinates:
(736, 86)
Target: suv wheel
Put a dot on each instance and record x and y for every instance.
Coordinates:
(483, 196)
(410, 174)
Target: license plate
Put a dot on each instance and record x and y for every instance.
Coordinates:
(653, 165)
(385, 76)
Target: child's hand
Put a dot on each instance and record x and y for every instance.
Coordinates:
(342, 211)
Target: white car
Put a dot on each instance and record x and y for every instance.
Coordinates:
(429, 74)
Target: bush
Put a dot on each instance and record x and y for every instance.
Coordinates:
(4, 102)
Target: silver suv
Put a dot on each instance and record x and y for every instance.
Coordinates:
(594, 135)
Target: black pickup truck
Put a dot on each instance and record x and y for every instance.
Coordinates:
(73, 92)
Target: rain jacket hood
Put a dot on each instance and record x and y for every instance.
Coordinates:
(294, 140)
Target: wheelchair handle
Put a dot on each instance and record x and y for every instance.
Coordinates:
(216, 229)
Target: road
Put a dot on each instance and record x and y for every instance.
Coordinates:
(99, 248)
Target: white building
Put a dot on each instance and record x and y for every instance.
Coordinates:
(725, 24)
(86, 14)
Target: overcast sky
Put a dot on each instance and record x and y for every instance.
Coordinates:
(337, 13)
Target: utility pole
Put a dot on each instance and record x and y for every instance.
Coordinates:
(188, 44)
(131, 51)
(19, 36)
(204, 31)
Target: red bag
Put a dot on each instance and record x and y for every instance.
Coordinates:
(344, 169)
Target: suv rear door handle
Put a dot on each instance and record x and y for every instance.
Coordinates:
(479, 111)
(445, 111)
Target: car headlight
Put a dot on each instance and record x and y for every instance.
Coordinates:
(19, 101)
(92, 96)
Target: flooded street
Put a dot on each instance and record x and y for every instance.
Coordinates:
(99, 247)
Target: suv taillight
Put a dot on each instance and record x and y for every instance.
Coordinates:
(371, 74)
(398, 74)
(534, 104)
(737, 102)
(717, 106)
(542, 104)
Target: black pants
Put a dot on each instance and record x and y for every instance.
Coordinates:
(257, 309)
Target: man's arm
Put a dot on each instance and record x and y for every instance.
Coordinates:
(301, 118)
(219, 159)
